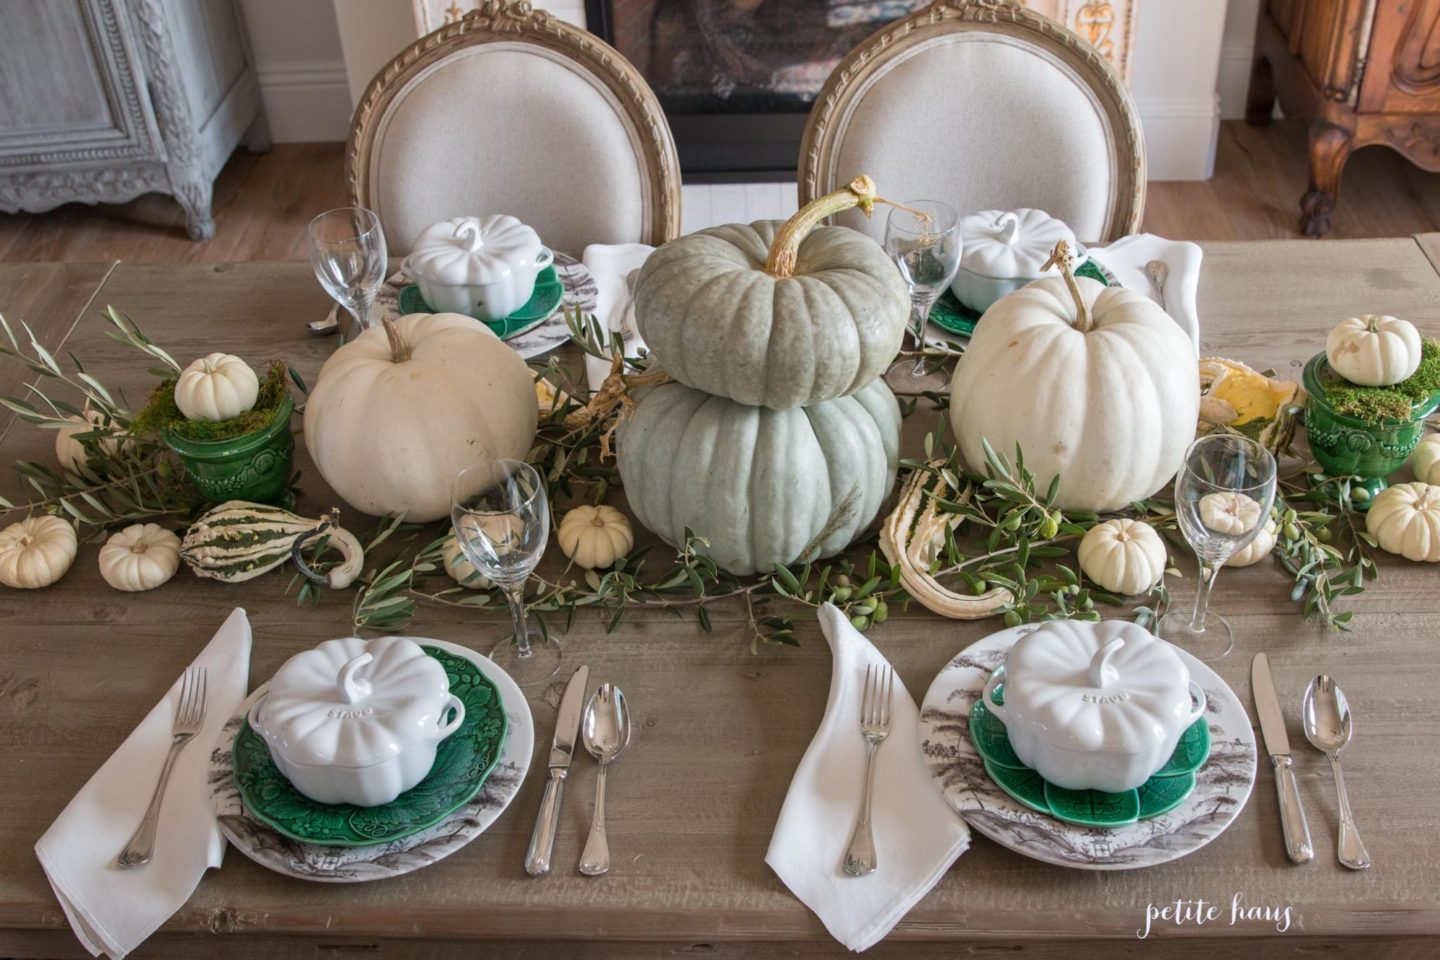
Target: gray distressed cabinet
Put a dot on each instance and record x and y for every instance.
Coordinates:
(103, 100)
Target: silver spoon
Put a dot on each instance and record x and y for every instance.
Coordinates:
(1328, 728)
(1158, 272)
(606, 732)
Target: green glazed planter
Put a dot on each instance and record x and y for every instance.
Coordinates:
(1347, 446)
(255, 467)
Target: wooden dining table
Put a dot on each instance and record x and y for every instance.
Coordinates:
(719, 727)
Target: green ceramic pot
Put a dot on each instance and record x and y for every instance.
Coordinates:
(254, 467)
(1346, 446)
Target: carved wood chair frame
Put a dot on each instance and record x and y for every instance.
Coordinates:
(872, 59)
(516, 21)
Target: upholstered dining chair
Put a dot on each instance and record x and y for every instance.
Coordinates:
(509, 110)
(982, 104)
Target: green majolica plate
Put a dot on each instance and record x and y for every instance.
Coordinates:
(1163, 792)
(952, 316)
(549, 291)
(462, 762)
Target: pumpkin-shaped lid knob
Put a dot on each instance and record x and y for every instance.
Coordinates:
(473, 250)
(351, 703)
(1110, 687)
(1011, 244)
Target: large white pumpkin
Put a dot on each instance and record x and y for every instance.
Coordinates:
(400, 410)
(1110, 409)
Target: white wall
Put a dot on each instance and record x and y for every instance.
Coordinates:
(1237, 50)
(1173, 76)
(301, 67)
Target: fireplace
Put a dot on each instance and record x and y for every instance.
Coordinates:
(737, 77)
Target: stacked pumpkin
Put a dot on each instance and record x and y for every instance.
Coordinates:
(778, 442)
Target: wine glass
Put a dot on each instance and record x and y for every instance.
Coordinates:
(923, 238)
(347, 250)
(1223, 496)
(501, 517)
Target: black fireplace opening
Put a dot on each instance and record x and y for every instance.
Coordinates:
(737, 78)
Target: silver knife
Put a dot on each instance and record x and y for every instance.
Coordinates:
(1277, 744)
(567, 729)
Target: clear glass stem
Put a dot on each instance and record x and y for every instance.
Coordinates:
(516, 598)
(920, 303)
(1208, 573)
(361, 312)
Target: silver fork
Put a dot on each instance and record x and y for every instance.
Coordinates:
(874, 727)
(189, 718)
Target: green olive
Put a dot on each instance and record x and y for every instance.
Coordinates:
(842, 594)
(1359, 494)
(860, 623)
(842, 581)
(882, 611)
(1012, 618)
(1051, 526)
(1292, 531)
(1323, 534)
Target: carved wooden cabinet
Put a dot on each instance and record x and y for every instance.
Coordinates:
(1363, 71)
(103, 100)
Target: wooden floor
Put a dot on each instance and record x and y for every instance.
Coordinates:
(262, 204)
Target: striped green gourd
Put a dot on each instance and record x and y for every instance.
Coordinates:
(239, 540)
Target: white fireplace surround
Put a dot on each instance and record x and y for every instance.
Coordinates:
(1191, 65)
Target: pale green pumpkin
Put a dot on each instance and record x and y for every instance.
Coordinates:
(775, 314)
(762, 486)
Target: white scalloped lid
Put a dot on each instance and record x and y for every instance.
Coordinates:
(1011, 243)
(473, 250)
(353, 703)
(1111, 687)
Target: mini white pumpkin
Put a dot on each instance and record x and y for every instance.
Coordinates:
(1123, 555)
(36, 551)
(71, 453)
(1230, 513)
(595, 537)
(1405, 519)
(459, 567)
(1373, 350)
(141, 557)
(1425, 461)
(216, 387)
(1257, 549)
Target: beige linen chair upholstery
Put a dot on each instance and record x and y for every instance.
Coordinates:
(510, 110)
(982, 104)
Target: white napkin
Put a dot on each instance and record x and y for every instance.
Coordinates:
(1126, 259)
(917, 835)
(611, 264)
(113, 910)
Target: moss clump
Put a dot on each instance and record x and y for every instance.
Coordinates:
(161, 415)
(1379, 405)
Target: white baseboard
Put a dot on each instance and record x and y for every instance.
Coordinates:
(1233, 84)
(1180, 135)
(306, 101)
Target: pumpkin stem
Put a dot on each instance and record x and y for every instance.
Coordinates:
(1062, 257)
(859, 192)
(399, 349)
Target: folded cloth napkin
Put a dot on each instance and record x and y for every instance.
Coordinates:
(917, 835)
(1126, 259)
(112, 910)
(611, 265)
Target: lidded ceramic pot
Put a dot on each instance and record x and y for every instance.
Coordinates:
(357, 722)
(1003, 250)
(1094, 706)
(483, 267)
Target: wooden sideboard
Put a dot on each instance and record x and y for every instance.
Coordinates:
(1362, 71)
(103, 100)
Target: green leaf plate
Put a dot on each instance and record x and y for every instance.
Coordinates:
(541, 306)
(952, 316)
(1163, 792)
(462, 763)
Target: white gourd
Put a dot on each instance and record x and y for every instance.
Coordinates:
(71, 453)
(1123, 556)
(36, 551)
(1425, 461)
(1106, 398)
(595, 537)
(1374, 351)
(216, 387)
(1405, 519)
(1230, 513)
(1257, 549)
(459, 567)
(141, 557)
(397, 412)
